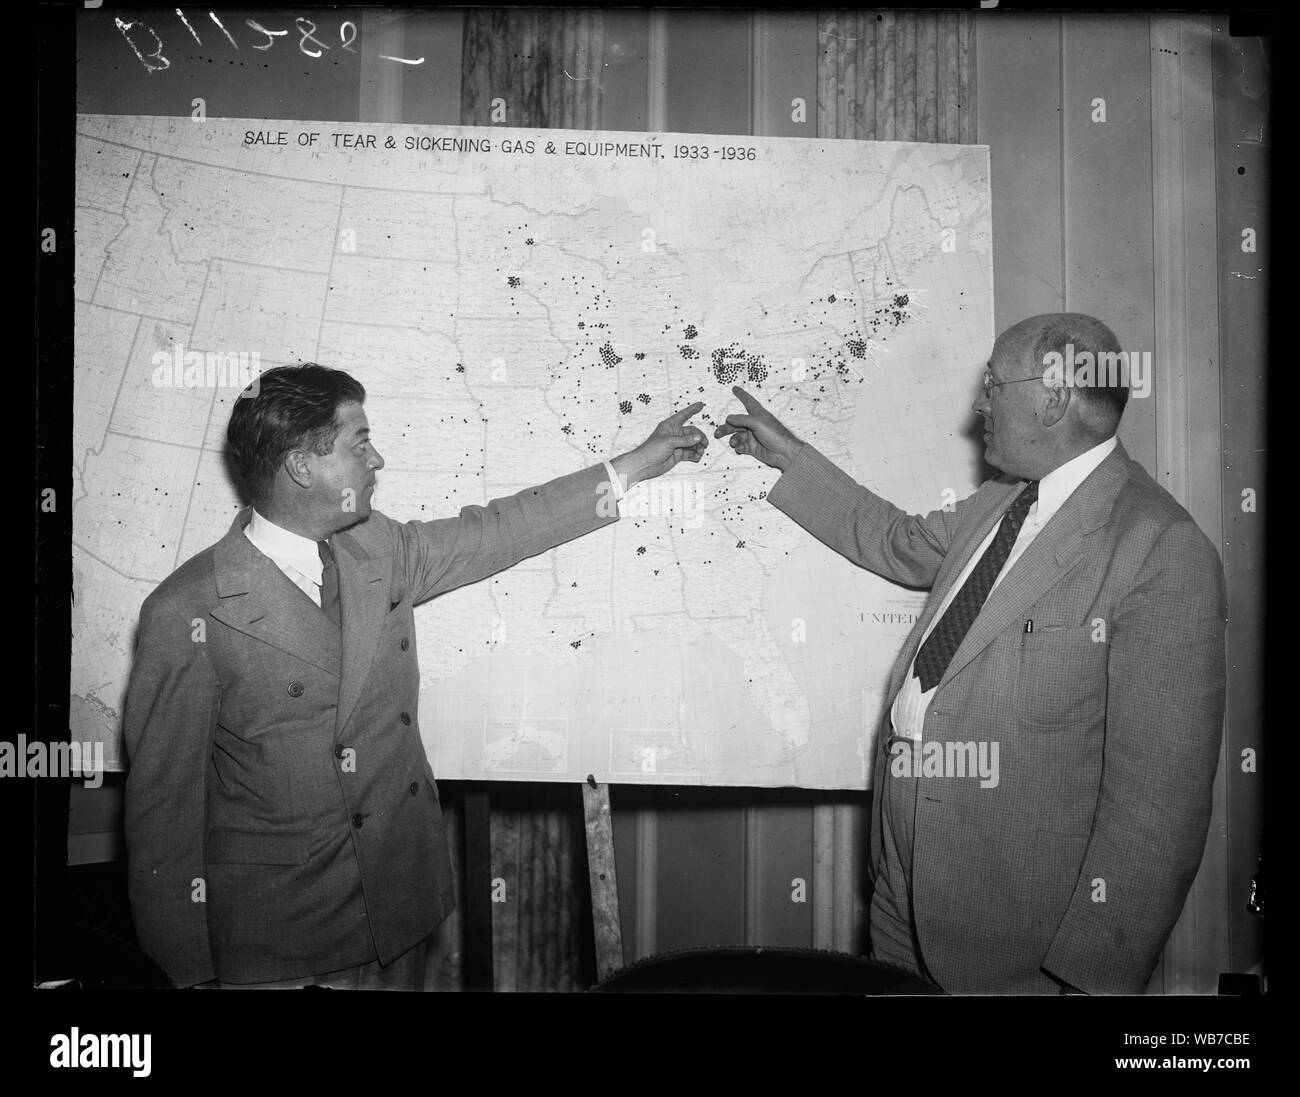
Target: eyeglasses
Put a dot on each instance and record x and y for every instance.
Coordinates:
(990, 384)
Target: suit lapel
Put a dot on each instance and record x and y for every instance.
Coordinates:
(363, 600)
(1056, 549)
(257, 599)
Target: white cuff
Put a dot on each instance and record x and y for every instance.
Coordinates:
(616, 481)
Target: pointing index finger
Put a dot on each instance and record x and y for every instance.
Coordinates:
(751, 405)
(678, 418)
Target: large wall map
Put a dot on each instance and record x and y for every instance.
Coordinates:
(520, 304)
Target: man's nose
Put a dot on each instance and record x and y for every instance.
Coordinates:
(981, 404)
(376, 461)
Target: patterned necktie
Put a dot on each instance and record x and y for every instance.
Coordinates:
(942, 643)
(329, 583)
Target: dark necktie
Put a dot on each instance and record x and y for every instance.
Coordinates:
(942, 643)
(329, 583)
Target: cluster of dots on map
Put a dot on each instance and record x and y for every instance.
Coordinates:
(730, 361)
(844, 344)
(625, 406)
(894, 310)
(836, 361)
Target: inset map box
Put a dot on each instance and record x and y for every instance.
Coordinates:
(531, 744)
(648, 753)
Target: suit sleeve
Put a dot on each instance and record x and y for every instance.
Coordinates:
(171, 705)
(441, 555)
(1164, 722)
(860, 525)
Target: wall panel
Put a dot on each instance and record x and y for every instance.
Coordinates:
(1019, 105)
(1107, 195)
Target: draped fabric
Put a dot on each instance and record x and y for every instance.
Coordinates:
(541, 910)
(896, 76)
(544, 63)
(541, 933)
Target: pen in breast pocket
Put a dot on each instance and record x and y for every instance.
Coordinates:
(1029, 627)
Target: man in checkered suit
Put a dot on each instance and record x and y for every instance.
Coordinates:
(1076, 621)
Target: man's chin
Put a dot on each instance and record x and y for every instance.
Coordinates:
(353, 518)
(996, 462)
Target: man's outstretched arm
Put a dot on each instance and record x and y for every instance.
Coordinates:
(483, 540)
(837, 510)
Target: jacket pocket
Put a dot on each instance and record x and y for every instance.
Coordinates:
(234, 846)
(1062, 677)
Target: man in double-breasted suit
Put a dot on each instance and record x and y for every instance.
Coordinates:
(282, 820)
(1042, 782)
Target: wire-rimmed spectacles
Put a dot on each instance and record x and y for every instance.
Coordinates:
(989, 384)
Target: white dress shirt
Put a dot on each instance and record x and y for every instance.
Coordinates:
(295, 555)
(909, 708)
(299, 558)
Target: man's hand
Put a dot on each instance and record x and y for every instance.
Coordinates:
(671, 441)
(760, 434)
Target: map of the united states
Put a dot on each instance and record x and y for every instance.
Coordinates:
(519, 305)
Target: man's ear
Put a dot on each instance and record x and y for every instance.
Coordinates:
(1058, 403)
(297, 463)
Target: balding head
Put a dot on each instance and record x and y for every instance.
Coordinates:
(1039, 412)
(1073, 335)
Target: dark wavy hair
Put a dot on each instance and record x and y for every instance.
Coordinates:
(286, 408)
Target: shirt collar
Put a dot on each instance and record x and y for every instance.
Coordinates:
(1059, 484)
(284, 546)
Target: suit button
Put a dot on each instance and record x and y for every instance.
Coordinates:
(340, 750)
(406, 719)
(357, 820)
(405, 643)
(295, 689)
(415, 788)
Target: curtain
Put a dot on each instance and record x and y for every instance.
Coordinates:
(545, 64)
(896, 76)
